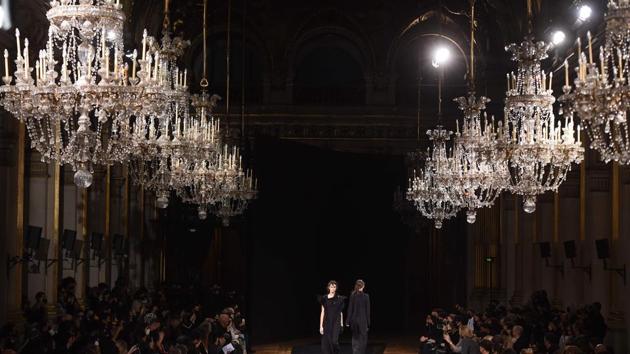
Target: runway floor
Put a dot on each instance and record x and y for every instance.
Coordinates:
(391, 345)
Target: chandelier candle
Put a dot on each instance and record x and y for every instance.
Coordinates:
(134, 56)
(17, 38)
(540, 151)
(26, 59)
(6, 63)
(590, 47)
(144, 44)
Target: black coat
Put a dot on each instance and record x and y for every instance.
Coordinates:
(359, 311)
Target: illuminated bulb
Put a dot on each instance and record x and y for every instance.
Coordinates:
(202, 214)
(529, 204)
(558, 37)
(111, 35)
(584, 12)
(441, 56)
(471, 216)
(162, 202)
(438, 224)
(83, 178)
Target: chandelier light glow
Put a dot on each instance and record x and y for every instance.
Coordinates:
(540, 149)
(80, 100)
(601, 94)
(434, 200)
(477, 169)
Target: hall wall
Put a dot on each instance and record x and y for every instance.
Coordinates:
(594, 203)
(47, 197)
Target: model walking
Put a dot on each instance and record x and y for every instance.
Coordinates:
(359, 317)
(331, 319)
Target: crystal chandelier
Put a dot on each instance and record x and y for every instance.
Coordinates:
(158, 136)
(235, 202)
(540, 149)
(601, 98)
(433, 199)
(79, 99)
(477, 169)
(218, 183)
(213, 178)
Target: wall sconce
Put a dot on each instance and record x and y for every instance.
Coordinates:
(603, 253)
(569, 253)
(545, 252)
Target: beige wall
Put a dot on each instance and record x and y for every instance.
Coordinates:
(38, 206)
(606, 202)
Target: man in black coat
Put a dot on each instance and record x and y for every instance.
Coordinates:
(359, 317)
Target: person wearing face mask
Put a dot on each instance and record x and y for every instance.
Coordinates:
(331, 319)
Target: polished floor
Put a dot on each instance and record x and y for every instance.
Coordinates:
(393, 345)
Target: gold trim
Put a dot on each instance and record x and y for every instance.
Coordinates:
(556, 216)
(141, 233)
(535, 222)
(516, 217)
(125, 202)
(583, 200)
(19, 239)
(106, 233)
(86, 249)
(55, 239)
(125, 218)
(141, 208)
(501, 215)
(615, 193)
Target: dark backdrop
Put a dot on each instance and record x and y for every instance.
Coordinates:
(325, 215)
(321, 215)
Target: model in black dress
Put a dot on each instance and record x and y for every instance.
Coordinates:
(331, 319)
(359, 317)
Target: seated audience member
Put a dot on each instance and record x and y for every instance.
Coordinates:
(520, 342)
(118, 321)
(466, 344)
(486, 347)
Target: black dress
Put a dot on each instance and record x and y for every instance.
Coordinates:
(359, 320)
(332, 323)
